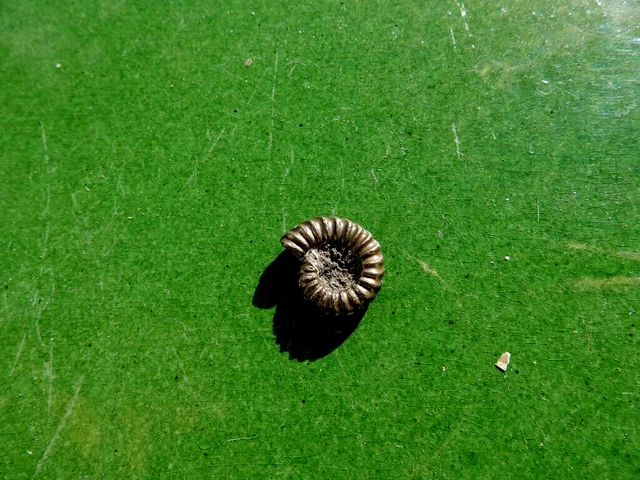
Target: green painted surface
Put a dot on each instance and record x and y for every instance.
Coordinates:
(147, 175)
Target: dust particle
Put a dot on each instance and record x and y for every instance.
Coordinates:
(503, 362)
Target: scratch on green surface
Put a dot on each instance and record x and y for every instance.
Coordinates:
(628, 255)
(239, 439)
(48, 373)
(15, 362)
(608, 282)
(273, 110)
(428, 269)
(61, 425)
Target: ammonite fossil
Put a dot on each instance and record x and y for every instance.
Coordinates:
(341, 264)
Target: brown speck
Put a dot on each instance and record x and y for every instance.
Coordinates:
(248, 62)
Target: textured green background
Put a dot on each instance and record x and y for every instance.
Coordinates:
(147, 175)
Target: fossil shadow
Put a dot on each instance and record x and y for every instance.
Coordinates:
(299, 328)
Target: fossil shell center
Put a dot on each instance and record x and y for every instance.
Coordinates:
(337, 268)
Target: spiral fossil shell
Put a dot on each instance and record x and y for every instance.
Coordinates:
(341, 264)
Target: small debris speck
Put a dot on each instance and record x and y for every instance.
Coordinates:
(58, 65)
(248, 62)
(503, 362)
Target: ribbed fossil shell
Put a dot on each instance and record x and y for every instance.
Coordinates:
(341, 264)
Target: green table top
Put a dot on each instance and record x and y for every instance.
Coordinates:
(152, 154)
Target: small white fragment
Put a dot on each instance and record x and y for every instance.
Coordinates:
(503, 361)
(58, 65)
(507, 258)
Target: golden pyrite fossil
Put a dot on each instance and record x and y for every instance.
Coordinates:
(341, 264)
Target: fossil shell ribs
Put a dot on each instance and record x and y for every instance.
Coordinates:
(341, 264)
